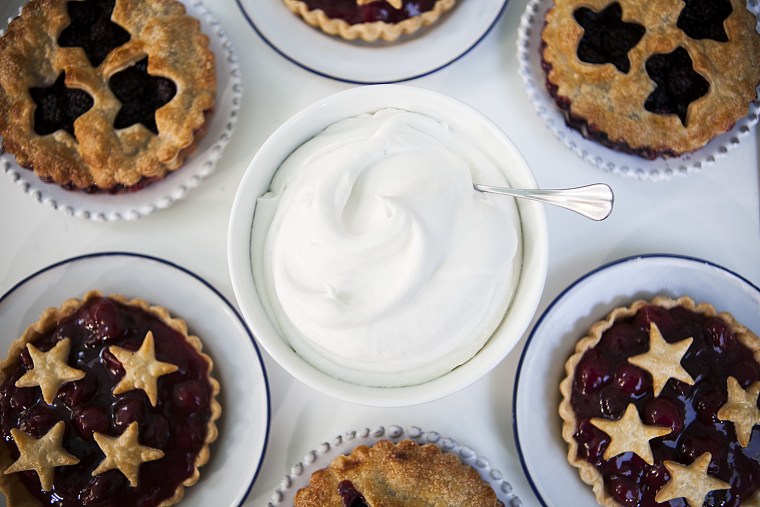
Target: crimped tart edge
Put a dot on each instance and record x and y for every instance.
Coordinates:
(588, 473)
(16, 493)
(368, 32)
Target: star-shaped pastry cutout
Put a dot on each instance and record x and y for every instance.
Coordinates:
(42, 454)
(629, 434)
(741, 409)
(125, 454)
(140, 94)
(678, 84)
(50, 369)
(142, 369)
(606, 37)
(690, 482)
(57, 107)
(91, 29)
(703, 19)
(663, 360)
(396, 4)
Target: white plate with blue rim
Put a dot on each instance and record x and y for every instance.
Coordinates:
(417, 55)
(238, 453)
(537, 425)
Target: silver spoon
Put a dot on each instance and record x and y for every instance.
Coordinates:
(591, 201)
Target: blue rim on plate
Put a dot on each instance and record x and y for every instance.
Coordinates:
(548, 311)
(313, 70)
(205, 283)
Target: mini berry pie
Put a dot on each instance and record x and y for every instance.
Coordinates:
(660, 407)
(653, 79)
(104, 95)
(396, 475)
(370, 20)
(105, 401)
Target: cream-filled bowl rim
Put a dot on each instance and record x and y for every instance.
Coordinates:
(305, 125)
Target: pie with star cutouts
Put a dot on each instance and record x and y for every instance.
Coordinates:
(660, 407)
(105, 401)
(651, 79)
(104, 95)
(370, 20)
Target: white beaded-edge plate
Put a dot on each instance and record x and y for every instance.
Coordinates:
(237, 455)
(529, 61)
(424, 52)
(165, 192)
(536, 421)
(321, 457)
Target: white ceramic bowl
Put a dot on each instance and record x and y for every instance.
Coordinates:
(305, 125)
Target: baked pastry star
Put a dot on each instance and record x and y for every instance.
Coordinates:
(663, 360)
(50, 369)
(125, 454)
(741, 409)
(42, 454)
(142, 369)
(690, 482)
(629, 434)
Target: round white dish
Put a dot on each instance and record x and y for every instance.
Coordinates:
(238, 453)
(321, 456)
(434, 47)
(161, 194)
(529, 61)
(537, 425)
(303, 126)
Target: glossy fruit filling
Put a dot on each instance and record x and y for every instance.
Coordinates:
(177, 424)
(57, 107)
(91, 28)
(350, 496)
(677, 84)
(350, 12)
(703, 19)
(605, 383)
(141, 94)
(606, 37)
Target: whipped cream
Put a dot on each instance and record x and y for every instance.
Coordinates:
(375, 257)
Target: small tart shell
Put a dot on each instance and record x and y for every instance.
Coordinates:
(416, 474)
(588, 473)
(15, 492)
(368, 32)
(103, 158)
(613, 102)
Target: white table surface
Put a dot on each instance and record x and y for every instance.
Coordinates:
(713, 214)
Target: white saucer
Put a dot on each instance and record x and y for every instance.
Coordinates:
(343, 444)
(163, 193)
(432, 49)
(238, 453)
(537, 424)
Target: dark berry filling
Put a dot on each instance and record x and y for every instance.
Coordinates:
(177, 425)
(606, 37)
(141, 94)
(352, 13)
(58, 106)
(349, 495)
(605, 383)
(703, 19)
(678, 84)
(91, 29)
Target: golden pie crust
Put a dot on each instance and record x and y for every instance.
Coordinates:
(588, 473)
(368, 32)
(396, 475)
(612, 102)
(15, 492)
(102, 158)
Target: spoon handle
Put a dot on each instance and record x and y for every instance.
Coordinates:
(591, 201)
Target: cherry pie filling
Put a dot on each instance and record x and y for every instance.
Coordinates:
(353, 14)
(605, 383)
(177, 425)
(607, 39)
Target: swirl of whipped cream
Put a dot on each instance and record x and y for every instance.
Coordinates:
(375, 257)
